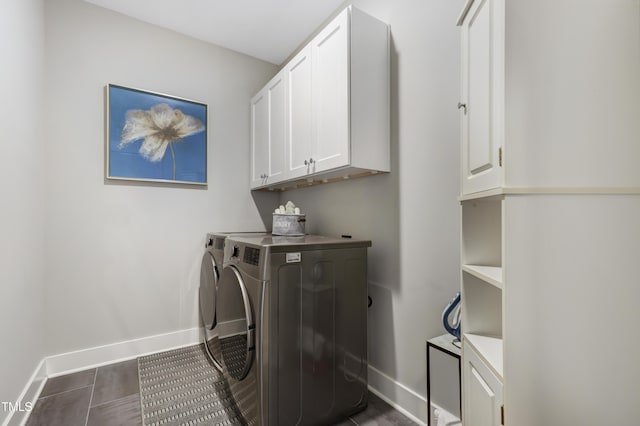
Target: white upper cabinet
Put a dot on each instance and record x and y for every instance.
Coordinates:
(297, 73)
(482, 104)
(259, 139)
(277, 128)
(336, 105)
(330, 50)
(268, 133)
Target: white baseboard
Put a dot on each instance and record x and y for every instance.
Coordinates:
(70, 362)
(400, 397)
(29, 395)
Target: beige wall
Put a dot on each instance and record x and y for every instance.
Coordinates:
(21, 191)
(123, 261)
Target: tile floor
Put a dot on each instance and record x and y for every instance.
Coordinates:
(107, 395)
(110, 395)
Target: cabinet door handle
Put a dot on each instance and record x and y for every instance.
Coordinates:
(461, 105)
(311, 161)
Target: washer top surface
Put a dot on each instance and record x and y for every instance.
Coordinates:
(277, 243)
(230, 233)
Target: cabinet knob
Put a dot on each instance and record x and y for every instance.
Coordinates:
(461, 105)
(311, 161)
(306, 163)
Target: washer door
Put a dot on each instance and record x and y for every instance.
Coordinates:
(208, 284)
(236, 327)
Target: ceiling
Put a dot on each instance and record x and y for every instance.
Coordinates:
(266, 29)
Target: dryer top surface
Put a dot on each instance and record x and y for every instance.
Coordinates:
(278, 243)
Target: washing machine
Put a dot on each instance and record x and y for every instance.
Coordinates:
(211, 266)
(292, 328)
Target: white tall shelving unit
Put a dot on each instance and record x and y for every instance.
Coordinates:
(550, 200)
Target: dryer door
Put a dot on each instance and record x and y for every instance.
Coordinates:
(208, 284)
(236, 327)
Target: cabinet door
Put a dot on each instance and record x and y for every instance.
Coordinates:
(482, 392)
(259, 138)
(482, 96)
(299, 133)
(330, 59)
(277, 128)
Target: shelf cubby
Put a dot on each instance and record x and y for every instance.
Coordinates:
(482, 232)
(482, 307)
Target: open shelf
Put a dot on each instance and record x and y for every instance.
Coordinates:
(481, 242)
(489, 348)
(490, 274)
(481, 306)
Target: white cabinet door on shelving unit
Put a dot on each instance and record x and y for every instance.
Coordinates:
(482, 103)
(482, 402)
(299, 114)
(259, 138)
(330, 65)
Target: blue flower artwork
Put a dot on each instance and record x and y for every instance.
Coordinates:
(155, 137)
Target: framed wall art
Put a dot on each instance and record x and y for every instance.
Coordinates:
(155, 137)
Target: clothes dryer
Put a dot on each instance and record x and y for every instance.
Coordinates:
(292, 327)
(210, 269)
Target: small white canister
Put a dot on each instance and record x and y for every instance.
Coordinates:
(289, 224)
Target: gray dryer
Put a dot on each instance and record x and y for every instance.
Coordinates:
(292, 327)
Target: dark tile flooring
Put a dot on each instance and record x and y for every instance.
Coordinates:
(110, 395)
(107, 395)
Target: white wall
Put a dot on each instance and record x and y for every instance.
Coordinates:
(21, 190)
(411, 215)
(123, 261)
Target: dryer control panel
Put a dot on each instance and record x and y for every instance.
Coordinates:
(251, 256)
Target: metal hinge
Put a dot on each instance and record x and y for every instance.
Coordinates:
(500, 156)
(502, 414)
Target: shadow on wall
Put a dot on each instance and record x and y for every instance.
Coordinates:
(266, 202)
